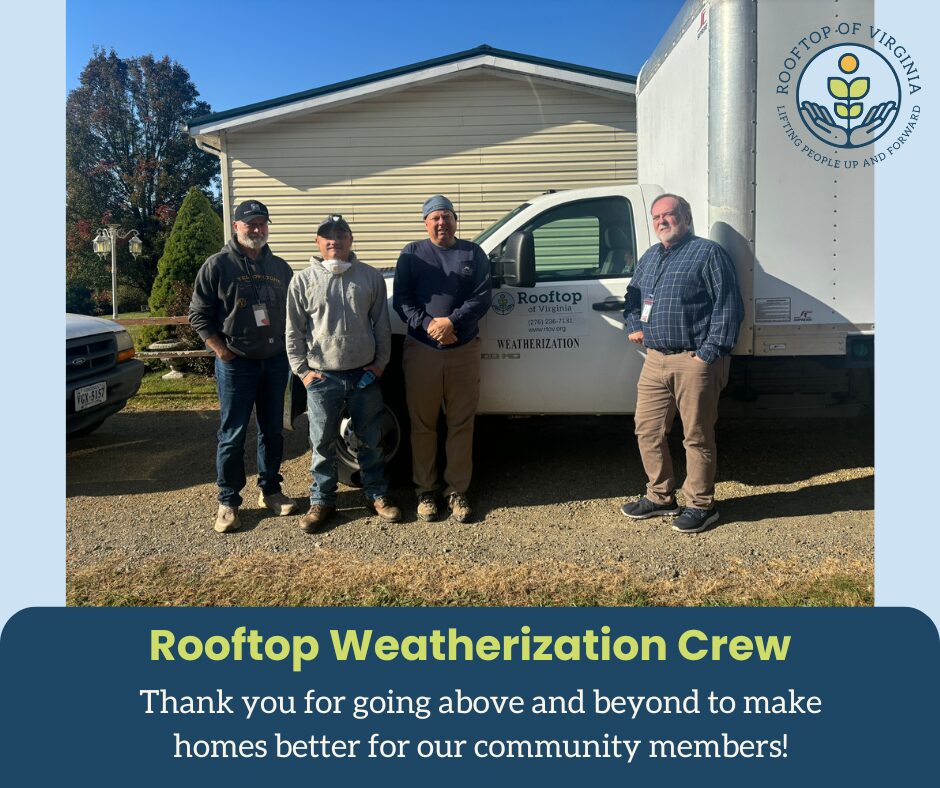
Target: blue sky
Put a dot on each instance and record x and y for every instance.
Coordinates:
(241, 52)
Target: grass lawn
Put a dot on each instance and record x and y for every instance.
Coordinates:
(326, 578)
(191, 392)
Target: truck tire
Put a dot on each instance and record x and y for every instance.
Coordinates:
(396, 436)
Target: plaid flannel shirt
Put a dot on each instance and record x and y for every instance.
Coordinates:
(697, 305)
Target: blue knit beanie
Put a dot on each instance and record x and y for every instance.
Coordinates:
(437, 203)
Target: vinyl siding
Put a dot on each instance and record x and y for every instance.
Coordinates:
(486, 141)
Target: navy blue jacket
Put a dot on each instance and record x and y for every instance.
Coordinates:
(431, 281)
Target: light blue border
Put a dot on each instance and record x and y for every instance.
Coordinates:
(907, 309)
(32, 559)
(907, 286)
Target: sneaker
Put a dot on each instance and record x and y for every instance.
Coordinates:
(226, 519)
(645, 508)
(427, 507)
(316, 517)
(459, 507)
(691, 521)
(386, 509)
(278, 503)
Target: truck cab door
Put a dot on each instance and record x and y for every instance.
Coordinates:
(560, 346)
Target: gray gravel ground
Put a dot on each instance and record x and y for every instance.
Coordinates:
(546, 488)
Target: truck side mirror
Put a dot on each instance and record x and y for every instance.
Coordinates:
(516, 265)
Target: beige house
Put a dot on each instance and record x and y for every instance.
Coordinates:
(486, 127)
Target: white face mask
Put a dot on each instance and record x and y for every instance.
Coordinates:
(336, 267)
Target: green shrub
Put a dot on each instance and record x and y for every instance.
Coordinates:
(197, 233)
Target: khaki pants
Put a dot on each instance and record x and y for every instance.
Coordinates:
(679, 383)
(434, 378)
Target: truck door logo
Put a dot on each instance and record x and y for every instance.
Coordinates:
(503, 303)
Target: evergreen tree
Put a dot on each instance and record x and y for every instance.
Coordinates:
(196, 234)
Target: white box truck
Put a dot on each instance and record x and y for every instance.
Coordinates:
(768, 117)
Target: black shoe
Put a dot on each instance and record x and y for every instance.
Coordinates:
(691, 521)
(644, 508)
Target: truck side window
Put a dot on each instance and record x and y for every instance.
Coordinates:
(589, 239)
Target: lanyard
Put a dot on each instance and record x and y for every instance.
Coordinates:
(251, 280)
(662, 263)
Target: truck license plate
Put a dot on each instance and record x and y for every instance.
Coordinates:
(89, 396)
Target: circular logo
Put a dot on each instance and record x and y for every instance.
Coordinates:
(848, 96)
(503, 303)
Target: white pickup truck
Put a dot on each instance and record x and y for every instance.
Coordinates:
(746, 109)
(101, 373)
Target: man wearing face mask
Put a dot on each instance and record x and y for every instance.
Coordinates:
(339, 342)
(238, 309)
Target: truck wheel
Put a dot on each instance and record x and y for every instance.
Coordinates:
(395, 444)
(396, 429)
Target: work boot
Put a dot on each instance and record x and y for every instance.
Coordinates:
(459, 507)
(226, 519)
(316, 517)
(386, 509)
(427, 507)
(278, 503)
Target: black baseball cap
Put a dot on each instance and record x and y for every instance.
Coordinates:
(332, 224)
(251, 209)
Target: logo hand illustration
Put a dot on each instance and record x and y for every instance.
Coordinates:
(877, 117)
(817, 116)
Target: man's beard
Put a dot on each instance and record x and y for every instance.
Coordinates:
(256, 244)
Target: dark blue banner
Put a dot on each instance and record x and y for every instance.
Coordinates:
(147, 696)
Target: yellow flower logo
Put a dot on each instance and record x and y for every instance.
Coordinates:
(853, 90)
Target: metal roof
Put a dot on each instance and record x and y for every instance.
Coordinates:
(351, 89)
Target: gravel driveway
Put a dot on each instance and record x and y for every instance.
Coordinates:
(546, 488)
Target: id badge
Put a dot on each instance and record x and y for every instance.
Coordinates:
(261, 315)
(647, 308)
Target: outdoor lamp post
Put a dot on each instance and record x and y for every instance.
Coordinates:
(106, 241)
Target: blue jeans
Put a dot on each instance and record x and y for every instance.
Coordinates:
(246, 384)
(325, 399)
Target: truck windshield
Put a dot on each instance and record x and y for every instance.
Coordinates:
(492, 229)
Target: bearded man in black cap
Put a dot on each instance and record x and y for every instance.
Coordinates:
(239, 310)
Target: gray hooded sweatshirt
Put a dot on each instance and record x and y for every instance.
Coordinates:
(337, 322)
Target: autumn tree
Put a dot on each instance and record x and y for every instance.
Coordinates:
(129, 162)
